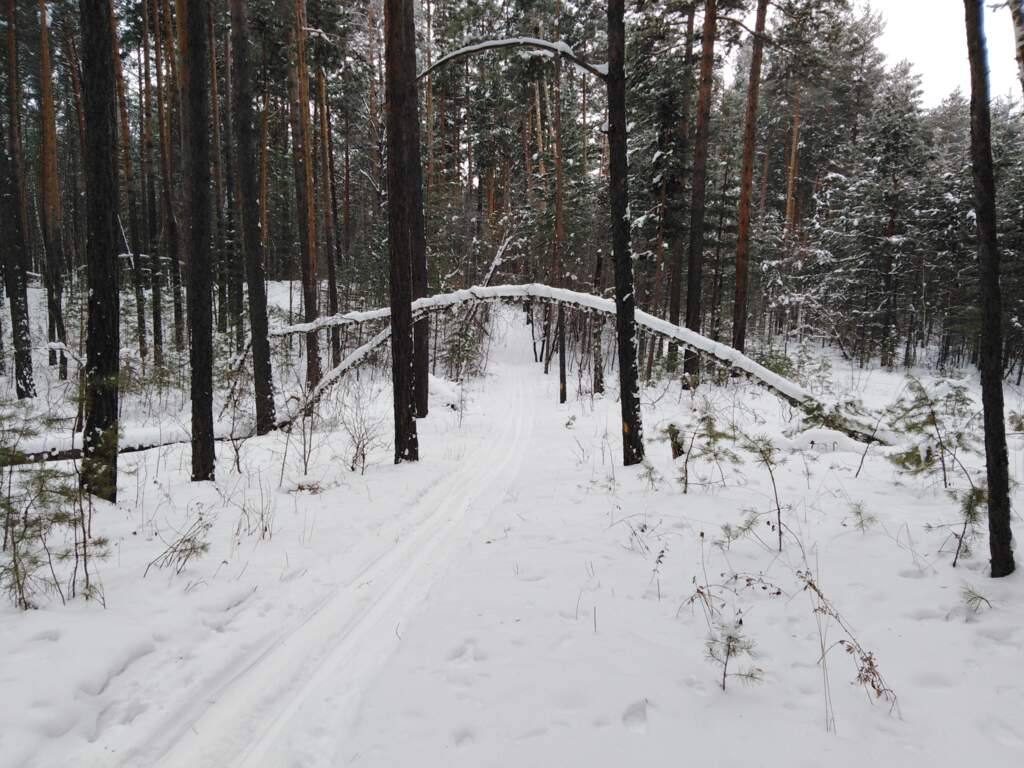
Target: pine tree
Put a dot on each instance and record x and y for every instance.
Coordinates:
(100, 437)
(251, 240)
(990, 360)
(195, 63)
(405, 212)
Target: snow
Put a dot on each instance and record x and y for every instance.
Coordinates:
(517, 598)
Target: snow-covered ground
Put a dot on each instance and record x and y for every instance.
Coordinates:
(518, 598)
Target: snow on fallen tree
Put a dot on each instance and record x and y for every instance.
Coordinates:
(829, 414)
(559, 48)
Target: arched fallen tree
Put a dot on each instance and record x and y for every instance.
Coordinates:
(820, 412)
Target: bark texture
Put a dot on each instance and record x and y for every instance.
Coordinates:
(196, 63)
(990, 357)
(103, 340)
(251, 241)
(739, 306)
(405, 210)
(618, 194)
(698, 209)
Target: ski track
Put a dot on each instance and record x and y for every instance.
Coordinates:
(242, 721)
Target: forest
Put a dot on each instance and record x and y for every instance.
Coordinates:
(354, 353)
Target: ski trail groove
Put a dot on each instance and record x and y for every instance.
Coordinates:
(245, 717)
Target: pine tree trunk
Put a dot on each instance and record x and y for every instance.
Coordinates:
(556, 255)
(15, 280)
(618, 195)
(676, 278)
(794, 162)
(232, 213)
(129, 186)
(21, 258)
(405, 211)
(1017, 11)
(346, 200)
(264, 171)
(298, 86)
(150, 192)
(421, 328)
(739, 307)
(103, 339)
(990, 362)
(220, 237)
(50, 194)
(374, 98)
(698, 210)
(195, 63)
(327, 206)
(597, 333)
(173, 242)
(251, 243)
(429, 102)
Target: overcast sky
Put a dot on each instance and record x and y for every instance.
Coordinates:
(930, 33)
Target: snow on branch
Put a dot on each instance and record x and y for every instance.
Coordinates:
(558, 48)
(333, 376)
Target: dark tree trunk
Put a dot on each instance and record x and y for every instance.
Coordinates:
(251, 244)
(327, 206)
(990, 362)
(233, 214)
(103, 340)
(676, 279)
(556, 266)
(15, 267)
(50, 197)
(597, 332)
(171, 240)
(302, 158)
(129, 188)
(1017, 13)
(150, 192)
(421, 329)
(739, 307)
(220, 238)
(196, 63)
(405, 210)
(618, 195)
(695, 262)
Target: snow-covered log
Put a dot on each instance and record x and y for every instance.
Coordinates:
(335, 375)
(828, 413)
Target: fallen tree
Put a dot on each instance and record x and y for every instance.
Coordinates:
(818, 411)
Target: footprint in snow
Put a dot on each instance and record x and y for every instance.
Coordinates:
(635, 717)
(467, 651)
(463, 737)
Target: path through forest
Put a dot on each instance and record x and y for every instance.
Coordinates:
(517, 598)
(320, 665)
